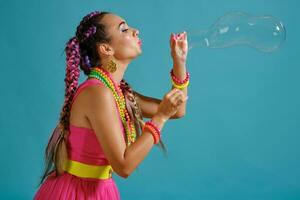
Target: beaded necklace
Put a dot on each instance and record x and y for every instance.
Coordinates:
(106, 79)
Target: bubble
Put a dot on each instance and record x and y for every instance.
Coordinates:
(264, 33)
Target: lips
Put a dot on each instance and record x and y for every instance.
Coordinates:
(140, 42)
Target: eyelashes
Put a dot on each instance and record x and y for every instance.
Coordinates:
(125, 30)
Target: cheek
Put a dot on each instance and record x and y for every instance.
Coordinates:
(125, 41)
(125, 47)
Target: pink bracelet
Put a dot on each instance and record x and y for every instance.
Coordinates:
(154, 126)
(153, 129)
(177, 80)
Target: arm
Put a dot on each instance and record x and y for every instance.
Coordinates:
(149, 106)
(103, 116)
(179, 50)
(180, 72)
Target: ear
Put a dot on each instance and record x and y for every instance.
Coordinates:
(105, 49)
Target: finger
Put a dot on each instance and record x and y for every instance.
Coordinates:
(175, 37)
(178, 101)
(174, 90)
(182, 39)
(181, 36)
(181, 99)
(177, 92)
(173, 41)
(186, 40)
(175, 95)
(172, 38)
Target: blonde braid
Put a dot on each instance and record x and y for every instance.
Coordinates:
(135, 111)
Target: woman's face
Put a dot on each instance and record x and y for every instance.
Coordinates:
(124, 39)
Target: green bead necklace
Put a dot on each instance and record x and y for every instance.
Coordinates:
(106, 79)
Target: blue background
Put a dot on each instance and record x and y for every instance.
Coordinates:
(239, 139)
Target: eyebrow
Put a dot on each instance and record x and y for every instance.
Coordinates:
(123, 22)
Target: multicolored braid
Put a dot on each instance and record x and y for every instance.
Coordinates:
(86, 19)
(86, 61)
(56, 151)
(71, 79)
(89, 33)
(135, 111)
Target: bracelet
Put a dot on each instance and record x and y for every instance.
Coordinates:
(154, 126)
(177, 80)
(180, 84)
(155, 135)
(153, 130)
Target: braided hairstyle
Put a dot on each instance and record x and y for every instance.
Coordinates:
(81, 50)
(135, 112)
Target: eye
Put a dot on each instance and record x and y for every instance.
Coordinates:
(125, 30)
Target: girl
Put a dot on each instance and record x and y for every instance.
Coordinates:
(101, 128)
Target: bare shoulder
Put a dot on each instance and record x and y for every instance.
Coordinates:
(90, 97)
(97, 91)
(97, 97)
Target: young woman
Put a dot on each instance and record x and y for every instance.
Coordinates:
(101, 128)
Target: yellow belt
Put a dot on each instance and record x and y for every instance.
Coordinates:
(88, 171)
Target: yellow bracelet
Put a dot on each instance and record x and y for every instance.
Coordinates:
(181, 87)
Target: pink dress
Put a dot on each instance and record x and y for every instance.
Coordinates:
(83, 146)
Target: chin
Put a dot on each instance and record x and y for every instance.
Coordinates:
(139, 52)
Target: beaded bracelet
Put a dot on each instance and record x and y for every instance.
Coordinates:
(177, 80)
(154, 130)
(155, 135)
(154, 126)
(180, 84)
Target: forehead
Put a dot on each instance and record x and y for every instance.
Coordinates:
(112, 21)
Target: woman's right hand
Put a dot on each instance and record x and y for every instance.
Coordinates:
(170, 104)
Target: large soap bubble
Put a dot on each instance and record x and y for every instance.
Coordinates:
(264, 33)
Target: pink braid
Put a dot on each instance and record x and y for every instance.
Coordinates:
(71, 80)
(56, 148)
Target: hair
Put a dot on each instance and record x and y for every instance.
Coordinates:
(81, 50)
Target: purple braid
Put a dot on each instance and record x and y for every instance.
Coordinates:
(71, 79)
(56, 147)
(86, 19)
(90, 15)
(87, 61)
(85, 31)
(91, 31)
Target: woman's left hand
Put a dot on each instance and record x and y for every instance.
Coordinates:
(179, 48)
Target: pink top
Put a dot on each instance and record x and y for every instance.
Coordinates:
(82, 143)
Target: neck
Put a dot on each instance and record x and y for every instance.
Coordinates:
(118, 75)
